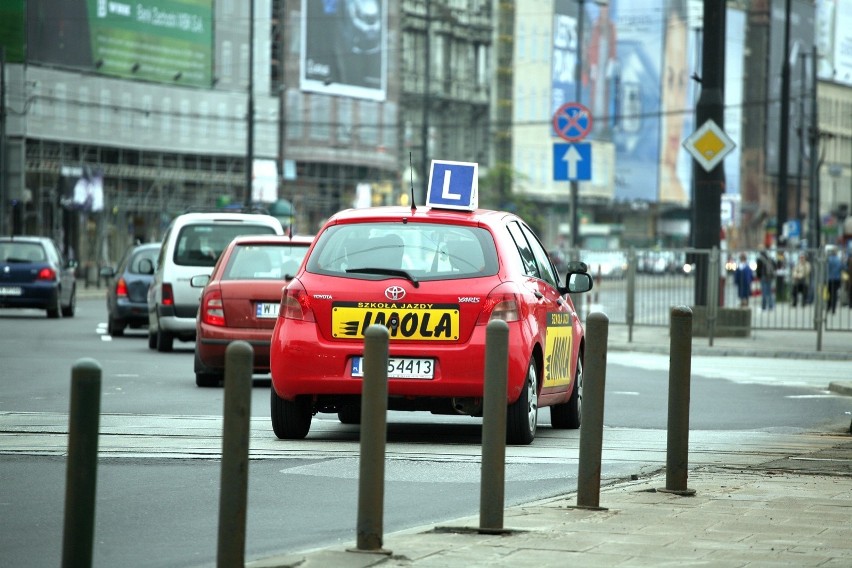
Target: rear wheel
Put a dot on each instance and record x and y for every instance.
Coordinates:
(208, 379)
(165, 341)
(291, 419)
(569, 414)
(68, 311)
(115, 327)
(56, 308)
(522, 415)
(349, 414)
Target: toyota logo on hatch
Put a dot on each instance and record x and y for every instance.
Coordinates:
(394, 293)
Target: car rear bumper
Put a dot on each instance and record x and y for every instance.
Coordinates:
(32, 296)
(313, 365)
(212, 341)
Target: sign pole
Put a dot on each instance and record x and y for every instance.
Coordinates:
(578, 93)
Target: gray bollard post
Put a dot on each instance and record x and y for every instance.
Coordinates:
(591, 426)
(680, 370)
(233, 489)
(82, 468)
(374, 408)
(493, 474)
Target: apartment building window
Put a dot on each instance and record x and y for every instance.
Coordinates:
(295, 115)
(344, 120)
(320, 110)
(368, 125)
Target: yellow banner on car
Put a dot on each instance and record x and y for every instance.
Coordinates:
(557, 349)
(407, 321)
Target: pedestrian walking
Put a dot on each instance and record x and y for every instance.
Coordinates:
(801, 279)
(743, 277)
(834, 269)
(766, 275)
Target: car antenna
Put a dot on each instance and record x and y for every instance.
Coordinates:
(411, 174)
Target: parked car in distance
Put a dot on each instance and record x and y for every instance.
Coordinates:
(191, 246)
(35, 274)
(605, 263)
(127, 291)
(240, 300)
(435, 278)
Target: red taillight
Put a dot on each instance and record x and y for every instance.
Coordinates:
(501, 304)
(295, 303)
(168, 295)
(46, 274)
(212, 308)
(121, 288)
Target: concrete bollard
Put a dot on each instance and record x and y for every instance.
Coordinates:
(374, 409)
(680, 370)
(233, 490)
(591, 426)
(82, 467)
(493, 475)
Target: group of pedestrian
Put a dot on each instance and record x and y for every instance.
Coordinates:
(803, 287)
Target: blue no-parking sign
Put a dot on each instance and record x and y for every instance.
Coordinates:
(453, 185)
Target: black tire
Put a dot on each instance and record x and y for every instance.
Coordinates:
(568, 415)
(115, 327)
(165, 342)
(291, 419)
(522, 415)
(68, 311)
(55, 310)
(349, 414)
(205, 380)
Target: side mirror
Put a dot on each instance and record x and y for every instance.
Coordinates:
(199, 281)
(105, 272)
(577, 282)
(146, 266)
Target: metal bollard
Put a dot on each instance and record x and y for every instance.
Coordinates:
(493, 475)
(680, 369)
(82, 468)
(374, 408)
(591, 427)
(233, 490)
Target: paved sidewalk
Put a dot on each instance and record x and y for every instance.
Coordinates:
(771, 516)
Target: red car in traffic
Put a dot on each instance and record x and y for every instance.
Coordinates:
(240, 300)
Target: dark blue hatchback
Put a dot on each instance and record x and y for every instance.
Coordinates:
(127, 293)
(35, 274)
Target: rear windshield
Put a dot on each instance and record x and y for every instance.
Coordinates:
(264, 262)
(426, 251)
(201, 244)
(135, 265)
(22, 252)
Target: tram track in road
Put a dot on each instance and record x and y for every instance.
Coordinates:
(200, 437)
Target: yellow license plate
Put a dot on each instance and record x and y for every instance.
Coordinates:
(422, 322)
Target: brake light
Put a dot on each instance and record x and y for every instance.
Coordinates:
(46, 273)
(501, 304)
(121, 288)
(168, 295)
(295, 303)
(213, 309)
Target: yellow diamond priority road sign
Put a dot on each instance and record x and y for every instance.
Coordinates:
(709, 145)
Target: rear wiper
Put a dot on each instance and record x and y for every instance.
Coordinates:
(13, 259)
(386, 272)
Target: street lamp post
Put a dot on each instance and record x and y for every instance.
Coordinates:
(250, 111)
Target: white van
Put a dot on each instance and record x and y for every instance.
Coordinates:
(191, 247)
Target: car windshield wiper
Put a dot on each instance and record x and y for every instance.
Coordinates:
(386, 272)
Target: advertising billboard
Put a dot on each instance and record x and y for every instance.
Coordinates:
(166, 41)
(344, 48)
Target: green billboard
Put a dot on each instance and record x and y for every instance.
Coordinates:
(167, 41)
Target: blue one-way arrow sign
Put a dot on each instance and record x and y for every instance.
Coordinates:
(572, 162)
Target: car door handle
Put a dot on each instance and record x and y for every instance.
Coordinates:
(538, 295)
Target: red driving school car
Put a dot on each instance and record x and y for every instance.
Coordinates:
(434, 276)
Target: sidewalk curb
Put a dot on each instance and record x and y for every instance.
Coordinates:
(841, 387)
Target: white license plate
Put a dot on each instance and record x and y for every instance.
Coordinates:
(10, 291)
(267, 310)
(400, 368)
